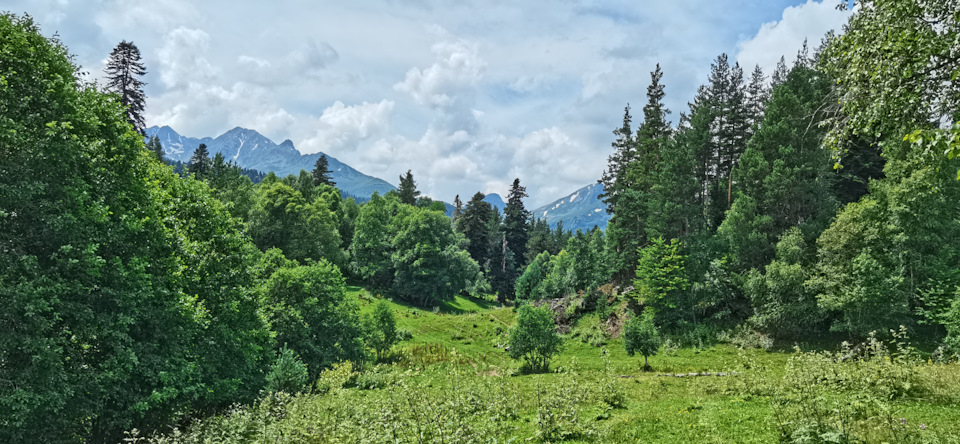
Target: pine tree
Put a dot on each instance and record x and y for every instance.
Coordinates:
(123, 71)
(720, 129)
(155, 147)
(516, 222)
(200, 161)
(408, 192)
(321, 172)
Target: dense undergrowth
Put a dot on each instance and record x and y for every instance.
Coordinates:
(451, 381)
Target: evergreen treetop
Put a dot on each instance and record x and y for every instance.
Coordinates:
(124, 70)
(321, 172)
(407, 191)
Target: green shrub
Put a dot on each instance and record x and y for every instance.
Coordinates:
(380, 329)
(589, 330)
(336, 377)
(641, 336)
(534, 338)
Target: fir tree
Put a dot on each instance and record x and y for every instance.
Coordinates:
(408, 192)
(200, 161)
(516, 221)
(321, 172)
(124, 70)
(474, 224)
(627, 228)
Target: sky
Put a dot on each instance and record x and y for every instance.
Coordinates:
(467, 94)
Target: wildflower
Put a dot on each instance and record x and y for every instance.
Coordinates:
(923, 426)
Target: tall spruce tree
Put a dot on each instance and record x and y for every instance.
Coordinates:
(321, 172)
(475, 226)
(516, 222)
(408, 192)
(200, 161)
(124, 70)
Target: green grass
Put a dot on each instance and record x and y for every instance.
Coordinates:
(453, 377)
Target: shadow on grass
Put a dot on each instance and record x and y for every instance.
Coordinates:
(467, 304)
(459, 305)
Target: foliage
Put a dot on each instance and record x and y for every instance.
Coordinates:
(560, 279)
(474, 224)
(516, 223)
(288, 373)
(429, 263)
(199, 162)
(640, 335)
(590, 330)
(308, 308)
(882, 252)
(841, 397)
(534, 338)
(529, 285)
(154, 146)
(783, 306)
(380, 329)
(896, 69)
(371, 240)
(661, 280)
(127, 296)
(304, 228)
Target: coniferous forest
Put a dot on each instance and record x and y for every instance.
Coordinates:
(785, 259)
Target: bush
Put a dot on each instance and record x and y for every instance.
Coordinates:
(590, 331)
(641, 336)
(380, 329)
(288, 373)
(534, 338)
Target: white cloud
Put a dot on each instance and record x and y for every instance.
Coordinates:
(183, 58)
(784, 38)
(449, 85)
(341, 128)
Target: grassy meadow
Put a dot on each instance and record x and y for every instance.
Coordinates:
(451, 380)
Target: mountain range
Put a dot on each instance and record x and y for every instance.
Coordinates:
(250, 149)
(581, 210)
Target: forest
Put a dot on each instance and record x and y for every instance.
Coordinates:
(785, 259)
